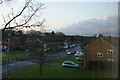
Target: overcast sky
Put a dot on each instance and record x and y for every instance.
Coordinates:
(81, 18)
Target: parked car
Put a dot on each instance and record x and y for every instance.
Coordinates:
(73, 45)
(78, 54)
(70, 64)
(66, 49)
(69, 53)
(79, 58)
(73, 52)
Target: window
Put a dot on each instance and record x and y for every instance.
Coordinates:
(110, 60)
(109, 51)
(99, 54)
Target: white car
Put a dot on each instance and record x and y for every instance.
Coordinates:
(69, 53)
(66, 50)
(79, 54)
(70, 64)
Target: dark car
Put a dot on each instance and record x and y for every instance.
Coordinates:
(73, 52)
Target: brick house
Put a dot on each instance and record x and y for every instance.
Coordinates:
(54, 41)
(15, 42)
(99, 51)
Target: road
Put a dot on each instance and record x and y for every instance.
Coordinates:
(22, 65)
(63, 54)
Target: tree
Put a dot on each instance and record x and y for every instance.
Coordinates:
(37, 46)
(26, 17)
(19, 18)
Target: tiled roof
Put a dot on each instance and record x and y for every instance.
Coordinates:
(108, 41)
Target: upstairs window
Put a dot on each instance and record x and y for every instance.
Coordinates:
(99, 54)
(109, 51)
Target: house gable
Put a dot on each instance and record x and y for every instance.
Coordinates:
(97, 41)
(98, 51)
(98, 47)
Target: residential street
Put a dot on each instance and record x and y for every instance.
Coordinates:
(63, 55)
(22, 65)
(61, 40)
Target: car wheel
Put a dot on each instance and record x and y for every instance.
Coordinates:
(63, 66)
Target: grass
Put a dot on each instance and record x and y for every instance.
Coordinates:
(12, 57)
(56, 71)
(28, 52)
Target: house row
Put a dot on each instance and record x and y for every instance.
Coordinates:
(53, 41)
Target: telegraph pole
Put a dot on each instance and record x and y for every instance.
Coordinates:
(8, 51)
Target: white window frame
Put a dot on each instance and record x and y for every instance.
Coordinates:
(110, 60)
(99, 54)
(109, 51)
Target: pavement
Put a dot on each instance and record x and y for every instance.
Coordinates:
(16, 67)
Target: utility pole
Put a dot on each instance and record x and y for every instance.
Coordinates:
(1, 55)
(8, 51)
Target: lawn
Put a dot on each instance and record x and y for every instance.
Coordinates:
(54, 70)
(12, 57)
(28, 52)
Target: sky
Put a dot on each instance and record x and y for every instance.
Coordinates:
(78, 17)
(82, 18)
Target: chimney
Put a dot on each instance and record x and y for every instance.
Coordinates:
(100, 36)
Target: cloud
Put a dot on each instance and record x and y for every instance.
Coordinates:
(105, 18)
(107, 25)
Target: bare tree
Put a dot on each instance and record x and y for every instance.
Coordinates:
(37, 46)
(25, 17)
(1, 1)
